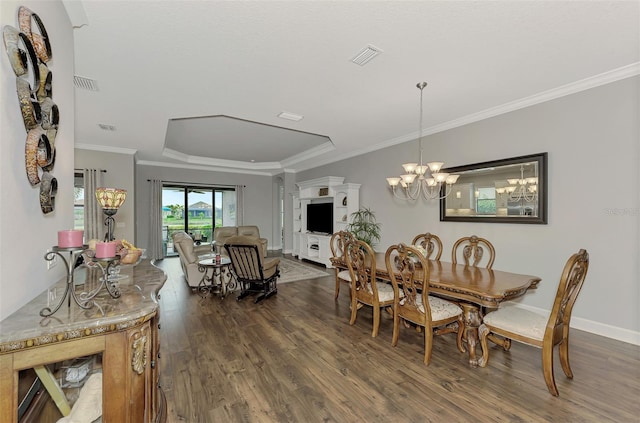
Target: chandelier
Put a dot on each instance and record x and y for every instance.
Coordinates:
(416, 180)
(520, 188)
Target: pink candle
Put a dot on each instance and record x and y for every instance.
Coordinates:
(105, 249)
(70, 238)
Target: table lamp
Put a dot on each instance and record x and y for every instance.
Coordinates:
(110, 199)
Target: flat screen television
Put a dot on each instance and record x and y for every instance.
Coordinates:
(320, 218)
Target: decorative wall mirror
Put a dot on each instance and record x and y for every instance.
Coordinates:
(500, 191)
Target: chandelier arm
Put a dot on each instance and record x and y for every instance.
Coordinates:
(447, 191)
(414, 193)
(428, 191)
(407, 195)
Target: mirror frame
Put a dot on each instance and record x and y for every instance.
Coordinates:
(540, 158)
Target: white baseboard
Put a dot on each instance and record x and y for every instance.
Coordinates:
(597, 328)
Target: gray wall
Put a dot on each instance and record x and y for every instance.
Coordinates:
(120, 174)
(592, 138)
(25, 232)
(289, 190)
(258, 196)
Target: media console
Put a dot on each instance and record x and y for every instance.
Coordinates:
(344, 200)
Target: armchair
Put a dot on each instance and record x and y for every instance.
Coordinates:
(189, 255)
(222, 233)
(255, 273)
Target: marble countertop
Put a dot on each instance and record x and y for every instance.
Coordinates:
(137, 303)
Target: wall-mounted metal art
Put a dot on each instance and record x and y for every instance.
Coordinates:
(29, 50)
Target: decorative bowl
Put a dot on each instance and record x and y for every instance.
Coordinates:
(133, 257)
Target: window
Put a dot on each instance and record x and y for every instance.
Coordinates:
(485, 200)
(196, 210)
(78, 200)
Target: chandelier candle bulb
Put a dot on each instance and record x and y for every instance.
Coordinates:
(70, 238)
(105, 249)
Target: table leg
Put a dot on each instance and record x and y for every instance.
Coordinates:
(472, 321)
(203, 288)
(220, 276)
(231, 279)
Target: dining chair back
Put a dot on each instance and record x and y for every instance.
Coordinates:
(409, 273)
(473, 250)
(338, 243)
(365, 288)
(542, 331)
(431, 244)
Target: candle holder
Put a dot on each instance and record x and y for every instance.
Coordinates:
(83, 299)
(110, 267)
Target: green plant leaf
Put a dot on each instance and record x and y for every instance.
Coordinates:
(364, 227)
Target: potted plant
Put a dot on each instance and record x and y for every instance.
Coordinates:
(364, 227)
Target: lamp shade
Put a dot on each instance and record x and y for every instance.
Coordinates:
(110, 198)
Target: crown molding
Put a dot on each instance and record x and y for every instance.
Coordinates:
(205, 168)
(105, 148)
(575, 87)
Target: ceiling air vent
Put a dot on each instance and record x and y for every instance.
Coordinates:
(365, 55)
(106, 127)
(85, 83)
(290, 116)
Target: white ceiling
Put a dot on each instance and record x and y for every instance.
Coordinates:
(210, 68)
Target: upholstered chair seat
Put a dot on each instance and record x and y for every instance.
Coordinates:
(440, 309)
(519, 321)
(344, 275)
(385, 292)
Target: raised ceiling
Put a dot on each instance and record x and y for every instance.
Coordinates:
(201, 83)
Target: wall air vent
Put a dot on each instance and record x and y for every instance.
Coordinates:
(106, 127)
(85, 83)
(365, 55)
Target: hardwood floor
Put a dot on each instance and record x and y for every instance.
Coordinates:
(295, 358)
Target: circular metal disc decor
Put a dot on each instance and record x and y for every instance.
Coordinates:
(29, 49)
(48, 191)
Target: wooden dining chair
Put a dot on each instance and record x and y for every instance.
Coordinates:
(338, 242)
(542, 331)
(365, 288)
(409, 273)
(431, 244)
(473, 250)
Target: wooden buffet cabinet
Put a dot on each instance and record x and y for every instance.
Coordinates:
(122, 333)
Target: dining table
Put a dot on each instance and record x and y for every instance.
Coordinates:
(474, 288)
